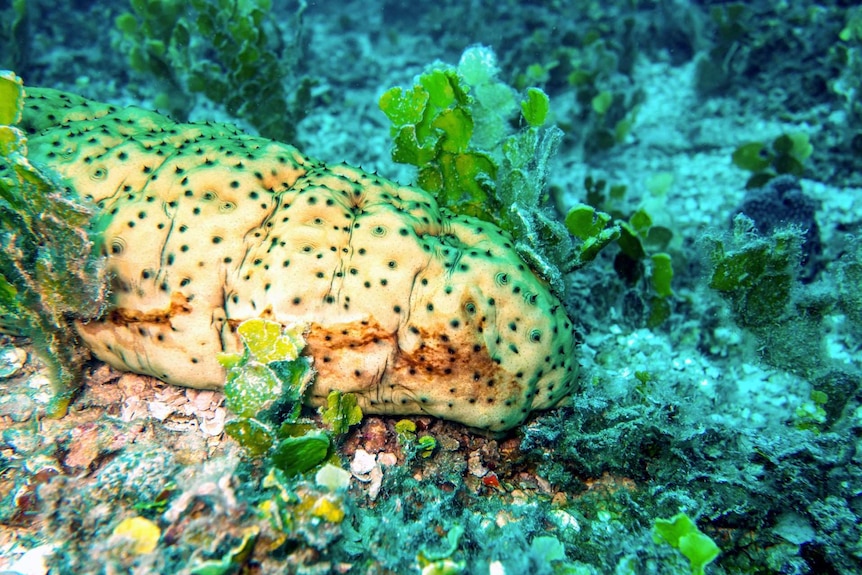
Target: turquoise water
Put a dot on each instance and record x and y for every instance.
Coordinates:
(691, 197)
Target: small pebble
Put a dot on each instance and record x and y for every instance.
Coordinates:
(213, 423)
(11, 361)
(21, 441)
(18, 407)
(388, 459)
(474, 463)
(363, 462)
(376, 482)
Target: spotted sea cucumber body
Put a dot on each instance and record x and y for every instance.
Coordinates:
(414, 310)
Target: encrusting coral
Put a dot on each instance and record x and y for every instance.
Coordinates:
(414, 310)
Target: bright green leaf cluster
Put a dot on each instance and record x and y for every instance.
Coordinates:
(269, 375)
(432, 125)
(298, 454)
(636, 237)
(342, 411)
(536, 107)
(232, 52)
(233, 560)
(786, 155)
(662, 274)
(812, 415)
(405, 430)
(264, 389)
(455, 126)
(683, 534)
(51, 273)
(595, 229)
(426, 445)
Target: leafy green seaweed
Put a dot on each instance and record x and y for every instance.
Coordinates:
(51, 269)
(265, 388)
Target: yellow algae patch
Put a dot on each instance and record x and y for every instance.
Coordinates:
(142, 534)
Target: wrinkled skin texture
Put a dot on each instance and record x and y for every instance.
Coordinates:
(414, 310)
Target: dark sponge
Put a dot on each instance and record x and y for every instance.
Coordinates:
(782, 203)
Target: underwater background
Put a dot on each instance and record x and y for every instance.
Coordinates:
(684, 175)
